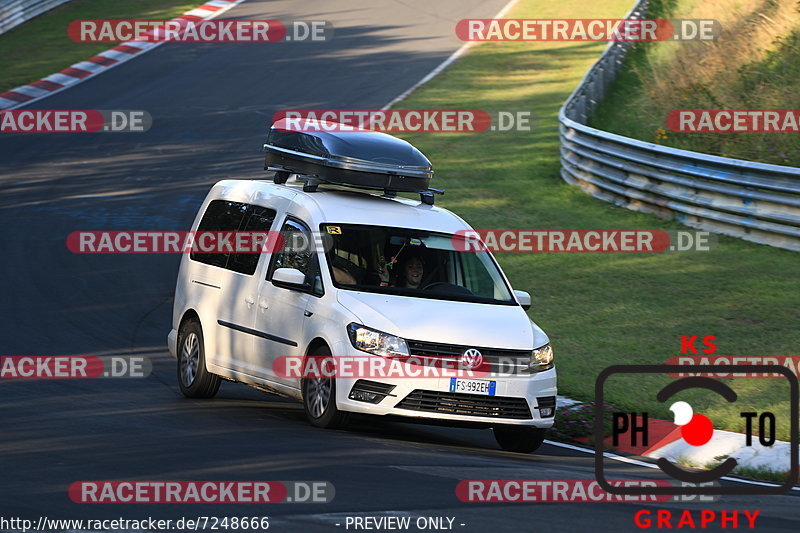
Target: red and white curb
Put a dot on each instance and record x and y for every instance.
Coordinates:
(79, 72)
(725, 444)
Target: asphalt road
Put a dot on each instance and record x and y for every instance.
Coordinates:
(211, 105)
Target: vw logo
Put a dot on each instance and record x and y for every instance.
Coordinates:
(471, 358)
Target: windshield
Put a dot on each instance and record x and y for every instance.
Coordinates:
(411, 262)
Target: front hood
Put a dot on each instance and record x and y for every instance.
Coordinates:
(464, 323)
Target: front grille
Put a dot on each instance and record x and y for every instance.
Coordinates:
(466, 404)
(496, 360)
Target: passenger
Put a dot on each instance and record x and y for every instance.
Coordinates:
(343, 277)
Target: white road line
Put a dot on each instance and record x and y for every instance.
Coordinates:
(637, 462)
(447, 62)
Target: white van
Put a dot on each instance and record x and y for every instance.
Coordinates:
(376, 277)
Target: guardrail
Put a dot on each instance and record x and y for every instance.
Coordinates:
(757, 202)
(15, 12)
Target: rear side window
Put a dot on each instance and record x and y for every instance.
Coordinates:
(256, 219)
(223, 215)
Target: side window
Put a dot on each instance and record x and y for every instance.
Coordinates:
(298, 252)
(479, 277)
(257, 219)
(222, 215)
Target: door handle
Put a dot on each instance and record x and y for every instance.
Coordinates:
(263, 304)
(249, 300)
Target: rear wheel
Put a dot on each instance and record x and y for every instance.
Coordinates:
(193, 378)
(521, 439)
(319, 396)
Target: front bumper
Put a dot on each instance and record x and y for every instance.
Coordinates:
(172, 342)
(516, 400)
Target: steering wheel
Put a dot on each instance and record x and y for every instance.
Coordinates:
(430, 286)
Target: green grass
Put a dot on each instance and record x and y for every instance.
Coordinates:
(41, 46)
(763, 473)
(768, 80)
(600, 309)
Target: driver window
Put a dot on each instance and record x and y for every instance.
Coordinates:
(298, 252)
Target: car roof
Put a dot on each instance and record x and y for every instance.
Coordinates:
(331, 204)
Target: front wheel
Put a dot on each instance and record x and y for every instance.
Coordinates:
(319, 396)
(520, 439)
(193, 378)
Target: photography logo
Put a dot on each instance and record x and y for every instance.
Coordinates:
(696, 429)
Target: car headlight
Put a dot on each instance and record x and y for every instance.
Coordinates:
(541, 358)
(376, 342)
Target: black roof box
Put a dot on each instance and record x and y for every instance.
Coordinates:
(323, 153)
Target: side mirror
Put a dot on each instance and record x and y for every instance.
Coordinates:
(289, 278)
(523, 298)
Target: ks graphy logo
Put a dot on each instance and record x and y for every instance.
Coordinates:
(696, 429)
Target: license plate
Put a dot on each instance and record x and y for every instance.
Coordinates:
(473, 386)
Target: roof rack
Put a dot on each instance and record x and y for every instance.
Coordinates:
(329, 153)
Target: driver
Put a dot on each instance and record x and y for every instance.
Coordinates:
(412, 270)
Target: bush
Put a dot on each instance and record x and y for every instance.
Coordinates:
(574, 422)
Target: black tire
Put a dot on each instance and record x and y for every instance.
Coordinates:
(520, 439)
(319, 398)
(193, 378)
